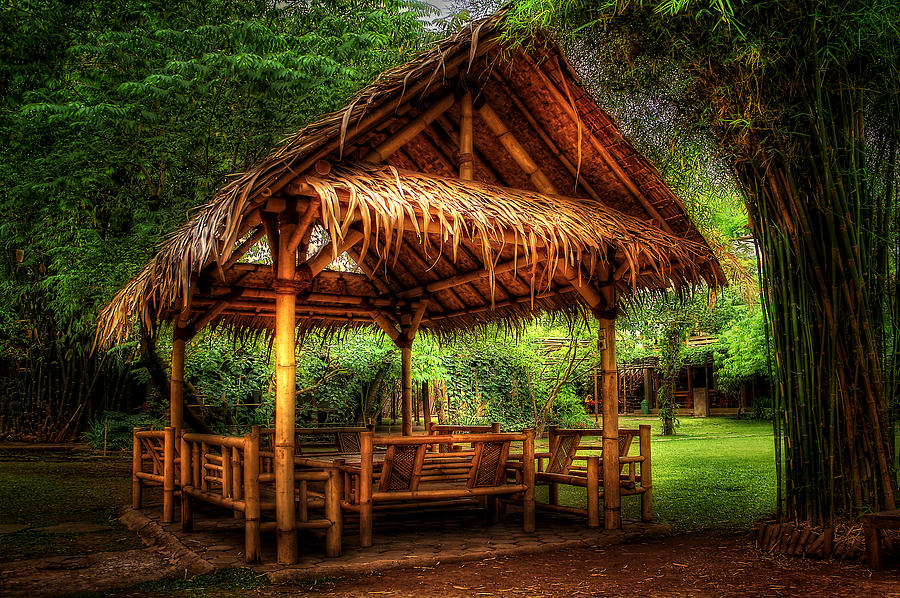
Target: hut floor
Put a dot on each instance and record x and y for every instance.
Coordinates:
(423, 539)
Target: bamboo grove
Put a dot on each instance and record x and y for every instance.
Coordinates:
(801, 101)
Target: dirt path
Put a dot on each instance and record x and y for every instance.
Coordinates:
(692, 565)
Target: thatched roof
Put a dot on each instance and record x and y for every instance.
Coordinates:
(418, 226)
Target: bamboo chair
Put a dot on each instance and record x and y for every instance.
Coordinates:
(561, 469)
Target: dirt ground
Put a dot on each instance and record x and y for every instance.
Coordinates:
(688, 565)
(58, 540)
(692, 565)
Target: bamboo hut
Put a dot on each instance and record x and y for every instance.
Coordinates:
(477, 183)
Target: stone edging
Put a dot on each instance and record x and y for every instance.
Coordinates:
(153, 534)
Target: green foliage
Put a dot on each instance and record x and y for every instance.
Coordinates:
(741, 354)
(112, 430)
(117, 122)
(798, 104)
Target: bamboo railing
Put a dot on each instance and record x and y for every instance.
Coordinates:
(154, 462)
(225, 471)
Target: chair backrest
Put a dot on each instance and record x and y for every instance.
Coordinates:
(563, 446)
(344, 439)
(435, 429)
(488, 464)
(402, 467)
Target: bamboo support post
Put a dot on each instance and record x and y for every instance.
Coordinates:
(169, 475)
(334, 490)
(251, 497)
(176, 387)
(612, 517)
(646, 474)
(528, 481)
(426, 404)
(593, 491)
(406, 388)
(237, 477)
(187, 476)
(365, 488)
(136, 466)
(285, 398)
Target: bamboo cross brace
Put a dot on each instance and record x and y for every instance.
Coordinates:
(387, 148)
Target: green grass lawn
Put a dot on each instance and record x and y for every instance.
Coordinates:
(43, 488)
(715, 473)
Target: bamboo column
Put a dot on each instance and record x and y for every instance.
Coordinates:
(136, 464)
(176, 383)
(169, 474)
(612, 518)
(406, 387)
(285, 397)
(646, 474)
(426, 404)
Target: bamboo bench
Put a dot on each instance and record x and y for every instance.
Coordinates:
(407, 476)
(344, 439)
(154, 462)
(225, 471)
(563, 467)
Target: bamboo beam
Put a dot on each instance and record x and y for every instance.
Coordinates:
(467, 277)
(612, 516)
(369, 272)
(410, 130)
(416, 320)
(312, 210)
(607, 158)
(500, 304)
(242, 249)
(447, 126)
(285, 400)
(466, 145)
(594, 299)
(516, 150)
(548, 141)
(385, 324)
